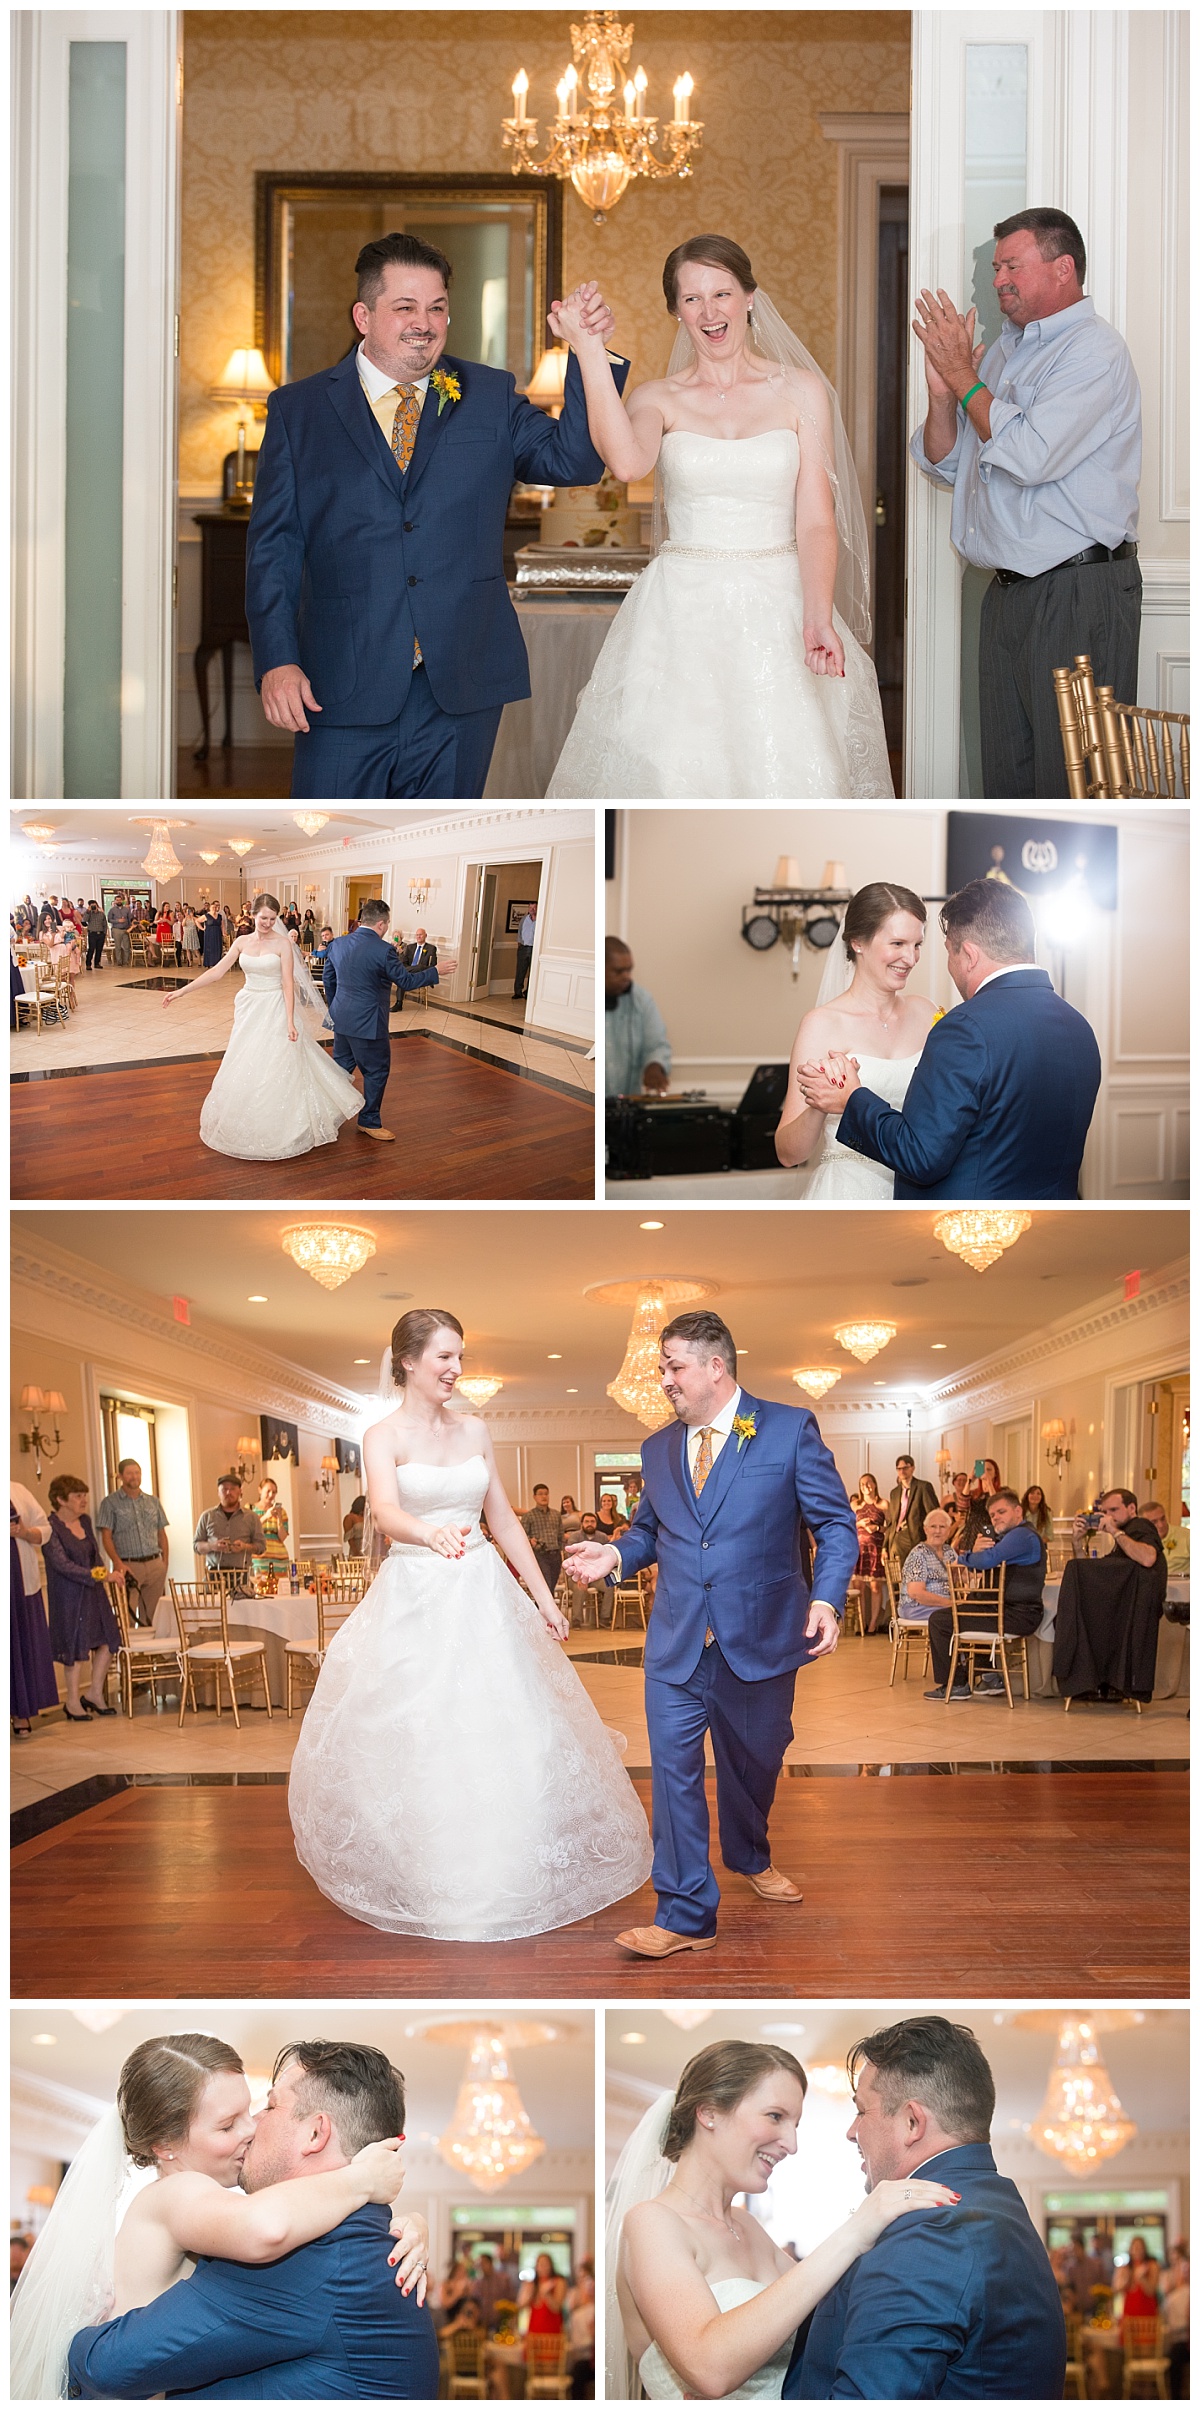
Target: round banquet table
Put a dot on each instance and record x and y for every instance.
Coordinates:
(289, 1615)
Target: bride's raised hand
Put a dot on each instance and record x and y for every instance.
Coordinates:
(446, 1539)
(824, 653)
(899, 2198)
(572, 319)
(380, 2169)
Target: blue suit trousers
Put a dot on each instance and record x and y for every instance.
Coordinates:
(425, 752)
(751, 1726)
(373, 1057)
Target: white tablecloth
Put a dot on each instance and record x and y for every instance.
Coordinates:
(563, 640)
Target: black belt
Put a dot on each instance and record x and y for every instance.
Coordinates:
(144, 1560)
(1078, 560)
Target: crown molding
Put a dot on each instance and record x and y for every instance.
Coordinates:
(991, 1375)
(49, 2119)
(442, 829)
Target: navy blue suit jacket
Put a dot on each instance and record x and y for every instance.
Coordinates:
(346, 560)
(327, 2323)
(950, 2304)
(999, 1105)
(731, 1558)
(358, 975)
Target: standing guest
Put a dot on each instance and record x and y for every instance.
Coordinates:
(189, 938)
(1036, 1511)
(419, 956)
(308, 930)
(487, 2287)
(637, 1050)
(525, 937)
(581, 2321)
(212, 940)
(228, 1535)
(454, 2289)
(133, 1529)
(95, 930)
(1020, 1549)
(1141, 2283)
(31, 1680)
(164, 929)
(83, 1627)
(49, 924)
(1041, 439)
(543, 2294)
(322, 946)
(571, 1518)
(543, 1528)
(907, 1507)
(608, 1522)
(353, 1524)
(925, 1582)
(272, 1515)
(870, 1520)
(19, 2248)
(1177, 2329)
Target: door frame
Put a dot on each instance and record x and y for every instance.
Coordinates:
(872, 150)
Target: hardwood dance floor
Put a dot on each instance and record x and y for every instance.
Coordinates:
(463, 1129)
(1070, 1885)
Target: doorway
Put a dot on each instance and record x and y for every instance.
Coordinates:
(362, 891)
(500, 896)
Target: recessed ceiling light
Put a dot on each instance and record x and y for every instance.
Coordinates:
(626, 2037)
(938, 1347)
(742, 1351)
(362, 1359)
(257, 1301)
(879, 1384)
(554, 1356)
(650, 1225)
(45, 2038)
(572, 1393)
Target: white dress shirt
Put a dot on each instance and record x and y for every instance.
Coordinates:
(1009, 966)
(376, 382)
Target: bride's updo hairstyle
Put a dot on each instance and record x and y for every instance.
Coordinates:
(867, 911)
(263, 903)
(718, 2078)
(160, 2087)
(711, 250)
(413, 1333)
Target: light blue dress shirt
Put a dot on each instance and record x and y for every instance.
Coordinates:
(1060, 469)
(634, 1034)
(528, 930)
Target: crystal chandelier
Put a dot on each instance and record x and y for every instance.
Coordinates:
(490, 2137)
(330, 1252)
(162, 862)
(864, 1339)
(816, 1379)
(637, 1386)
(312, 823)
(1081, 2121)
(209, 858)
(38, 829)
(981, 1237)
(594, 142)
(241, 845)
(478, 1387)
(687, 2018)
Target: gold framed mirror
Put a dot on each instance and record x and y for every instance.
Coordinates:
(501, 233)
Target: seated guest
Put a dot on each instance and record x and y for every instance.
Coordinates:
(228, 1535)
(419, 956)
(83, 1628)
(925, 1583)
(570, 1517)
(608, 1519)
(1134, 1535)
(320, 950)
(637, 1050)
(1019, 1548)
(1037, 1513)
(468, 2315)
(1176, 1545)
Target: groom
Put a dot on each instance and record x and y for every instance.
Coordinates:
(728, 1494)
(1001, 1101)
(327, 2322)
(950, 2304)
(380, 620)
(359, 974)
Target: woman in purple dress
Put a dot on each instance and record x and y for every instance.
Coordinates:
(82, 1624)
(31, 1680)
(870, 1516)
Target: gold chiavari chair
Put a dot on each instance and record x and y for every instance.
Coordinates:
(546, 2368)
(337, 1598)
(139, 948)
(1075, 2373)
(465, 2349)
(981, 1595)
(202, 1614)
(349, 1568)
(627, 1597)
(40, 1002)
(1144, 2361)
(1115, 749)
(142, 1656)
(905, 1632)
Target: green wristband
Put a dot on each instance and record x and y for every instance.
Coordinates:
(973, 389)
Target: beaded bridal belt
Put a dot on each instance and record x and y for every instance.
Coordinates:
(472, 1539)
(727, 552)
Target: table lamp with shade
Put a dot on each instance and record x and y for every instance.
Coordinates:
(246, 383)
(545, 389)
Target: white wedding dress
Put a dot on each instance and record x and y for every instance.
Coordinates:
(452, 1777)
(701, 688)
(660, 2383)
(272, 1099)
(840, 1171)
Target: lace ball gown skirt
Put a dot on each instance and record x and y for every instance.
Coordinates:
(452, 1777)
(701, 689)
(272, 1099)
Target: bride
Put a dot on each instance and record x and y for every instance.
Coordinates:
(183, 2109)
(277, 1093)
(701, 2302)
(452, 1777)
(735, 665)
(861, 1009)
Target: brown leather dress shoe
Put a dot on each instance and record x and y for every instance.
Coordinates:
(654, 1941)
(771, 1885)
(388, 1136)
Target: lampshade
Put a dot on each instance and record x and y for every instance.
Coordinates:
(1056, 1429)
(864, 1339)
(834, 875)
(1081, 2120)
(548, 381)
(816, 1380)
(329, 1464)
(330, 1252)
(245, 378)
(247, 1447)
(478, 1387)
(56, 1401)
(491, 2136)
(787, 871)
(32, 1398)
(980, 1238)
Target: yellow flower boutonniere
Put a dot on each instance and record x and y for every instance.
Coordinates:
(939, 1015)
(446, 387)
(744, 1428)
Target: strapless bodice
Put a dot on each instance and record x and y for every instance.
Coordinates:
(730, 497)
(261, 970)
(765, 2384)
(453, 1492)
(888, 1080)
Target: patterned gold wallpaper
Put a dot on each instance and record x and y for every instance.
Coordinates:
(426, 90)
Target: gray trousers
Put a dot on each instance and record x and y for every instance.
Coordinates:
(1028, 631)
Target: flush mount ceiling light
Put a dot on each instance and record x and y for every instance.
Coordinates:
(816, 1380)
(864, 1339)
(980, 1238)
(312, 823)
(330, 1252)
(478, 1387)
(687, 2018)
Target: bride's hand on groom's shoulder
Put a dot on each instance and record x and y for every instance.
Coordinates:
(899, 2197)
(410, 2259)
(380, 2169)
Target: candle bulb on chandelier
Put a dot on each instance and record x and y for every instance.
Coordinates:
(639, 85)
(561, 92)
(570, 80)
(520, 88)
(630, 101)
(683, 92)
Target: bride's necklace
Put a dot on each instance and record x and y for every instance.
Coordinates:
(718, 2219)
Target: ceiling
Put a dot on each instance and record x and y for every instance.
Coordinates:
(556, 2079)
(516, 1279)
(94, 828)
(1148, 2061)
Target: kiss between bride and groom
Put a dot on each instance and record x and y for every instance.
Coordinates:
(938, 2287)
(267, 2259)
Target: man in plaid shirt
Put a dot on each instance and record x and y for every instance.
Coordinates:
(543, 1528)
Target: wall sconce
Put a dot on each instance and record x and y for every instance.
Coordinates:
(1053, 1435)
(802, 915)
(35, 1442)
(247, 1458)
(329, 1474)
(420, 890)
(944, 1458)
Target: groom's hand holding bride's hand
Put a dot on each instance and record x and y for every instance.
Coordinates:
(446, 1539)
(591, 1561)
(826, 1087)
(584, 316)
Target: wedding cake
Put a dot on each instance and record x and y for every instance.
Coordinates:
(592, 518)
